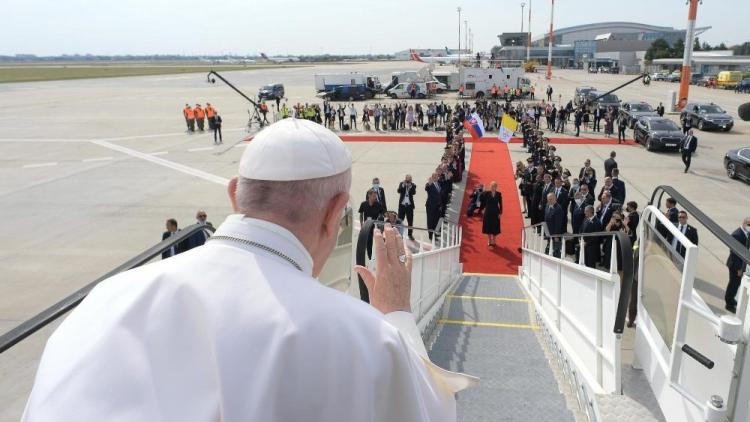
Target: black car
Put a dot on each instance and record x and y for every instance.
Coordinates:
(657, 133)
(603, 103)
(271, 92)
(707, 116)
(695, 78)
(737, 163)
(581, 93)
(635, 110)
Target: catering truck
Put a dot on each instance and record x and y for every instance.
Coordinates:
(477, 82)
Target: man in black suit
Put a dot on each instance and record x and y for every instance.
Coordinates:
(554, 216)
(736, 266)
(547, 187)
(609, 164)
(562, 199)
(689, 231)
(577, 213)
(434, 203)
(379, 192)
(591, 249)
(606, 208)
(688, 147)
(610, 187)
(588, 198)
(586, 166)
(619, 194)
(172, 231)
(406, 191)
(671, 213)
(199, 238)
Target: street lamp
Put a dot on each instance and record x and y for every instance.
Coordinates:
(523, 4)
(459, 34)
(466, 33)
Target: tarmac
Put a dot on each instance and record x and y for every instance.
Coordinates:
(91, 169)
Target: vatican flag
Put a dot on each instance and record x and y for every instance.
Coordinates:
(507, 126)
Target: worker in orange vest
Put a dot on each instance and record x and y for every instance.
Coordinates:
(200, 115)
(189, 117)
(493, 91)
(461, 90)
(210, 113)
(264, 111)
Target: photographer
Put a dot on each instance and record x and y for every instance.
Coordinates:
(476, 201)
(406, 191)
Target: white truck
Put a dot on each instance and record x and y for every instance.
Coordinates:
(403, 90)
(477, 82)
(422, 75)
(449, 78)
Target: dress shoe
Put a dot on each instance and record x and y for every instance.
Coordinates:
(731, 308)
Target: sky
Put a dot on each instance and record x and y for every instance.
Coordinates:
(279, 27)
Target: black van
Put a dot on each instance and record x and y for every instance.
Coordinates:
(271, 92)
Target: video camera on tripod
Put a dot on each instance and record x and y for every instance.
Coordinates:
(256, 114)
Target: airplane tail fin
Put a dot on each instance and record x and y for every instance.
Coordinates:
(447, 52)
(415, 56)
(263, 55)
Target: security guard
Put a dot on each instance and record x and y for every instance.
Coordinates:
(200, 115)
(189, 117)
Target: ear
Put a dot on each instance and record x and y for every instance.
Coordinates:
(332, 217)
(232, 191)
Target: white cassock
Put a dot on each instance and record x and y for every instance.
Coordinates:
(232, 332)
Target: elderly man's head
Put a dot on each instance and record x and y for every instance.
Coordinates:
(551, 199)
(287, 193)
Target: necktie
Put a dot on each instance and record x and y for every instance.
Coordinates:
(674, 240)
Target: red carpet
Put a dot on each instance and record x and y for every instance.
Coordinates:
(490, 160)
(440, 139)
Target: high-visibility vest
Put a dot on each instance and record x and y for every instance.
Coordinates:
(210, 112)
(284, 111)
(461, 89)
(494, 89)
(188, 112)
(199, 114)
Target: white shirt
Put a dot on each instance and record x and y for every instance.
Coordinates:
(682, 229)
(230, 332)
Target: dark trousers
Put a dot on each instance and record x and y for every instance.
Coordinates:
(597, 128)
(732, 287)
(191, 125)
(406, 213)
(200, 124)
(433, 216)
(686, 157)
(217, 129)
(620, 133)
(578, 130)
(353, 121)
(341, 122)
(211, 123)
(377, 125)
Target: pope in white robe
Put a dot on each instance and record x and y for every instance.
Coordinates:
(240, 330)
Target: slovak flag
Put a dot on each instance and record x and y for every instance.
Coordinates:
(475, 126)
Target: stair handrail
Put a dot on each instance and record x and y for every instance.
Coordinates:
(627, 265)
(734, 246)
(45, 317)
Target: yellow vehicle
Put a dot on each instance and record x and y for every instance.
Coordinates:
(728, 79)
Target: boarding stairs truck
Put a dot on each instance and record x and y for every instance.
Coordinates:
(549, 342)
(477, 81)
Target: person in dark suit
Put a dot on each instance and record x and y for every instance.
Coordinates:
(379, 193)
(535, 214)
(547, 187)
(736, 266)
(493, 209)
(586, 166)
(606, 208)
(198, 238)
(172, 231)
(610, 187)
(689, 231)
(671, 213)
(371, 208)
(591, 249)
(562, 199)
(619, 194)
(406, 191)
(433, 203)
(476, 201)
(631, 220)
(609, 164)
(588, 198)
(688, 147)
(597, 119)
(577, 213)
(554, 216)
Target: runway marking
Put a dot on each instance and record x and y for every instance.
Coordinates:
(32, 166)
(43, 140)
(200, 149)
(240, 145)
(164, 163)
(91, 160)
(493, 298)
(159, 153)
(488, 324)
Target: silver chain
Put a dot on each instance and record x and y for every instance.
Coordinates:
(259, 246)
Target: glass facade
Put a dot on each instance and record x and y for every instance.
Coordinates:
(584, 50)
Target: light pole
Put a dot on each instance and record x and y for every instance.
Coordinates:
(528, 44)
(687, 55)
(459, 34)
(549, 48)
(466, 33)
(522, 6)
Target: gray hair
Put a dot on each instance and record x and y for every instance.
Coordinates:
(294, 201)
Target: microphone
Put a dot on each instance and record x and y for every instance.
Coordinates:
(744, 111)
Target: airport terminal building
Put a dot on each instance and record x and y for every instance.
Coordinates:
(619, 44)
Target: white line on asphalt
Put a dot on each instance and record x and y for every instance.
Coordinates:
(91, 160)
(200, 149)
(41, 140)
(242, 145)
(160, 153)
(165, 163)
(31, 166)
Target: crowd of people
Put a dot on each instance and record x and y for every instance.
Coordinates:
(199, 116)
(438, 190)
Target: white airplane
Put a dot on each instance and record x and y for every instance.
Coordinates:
(227, 61)
(279, 59)
(447, 59)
